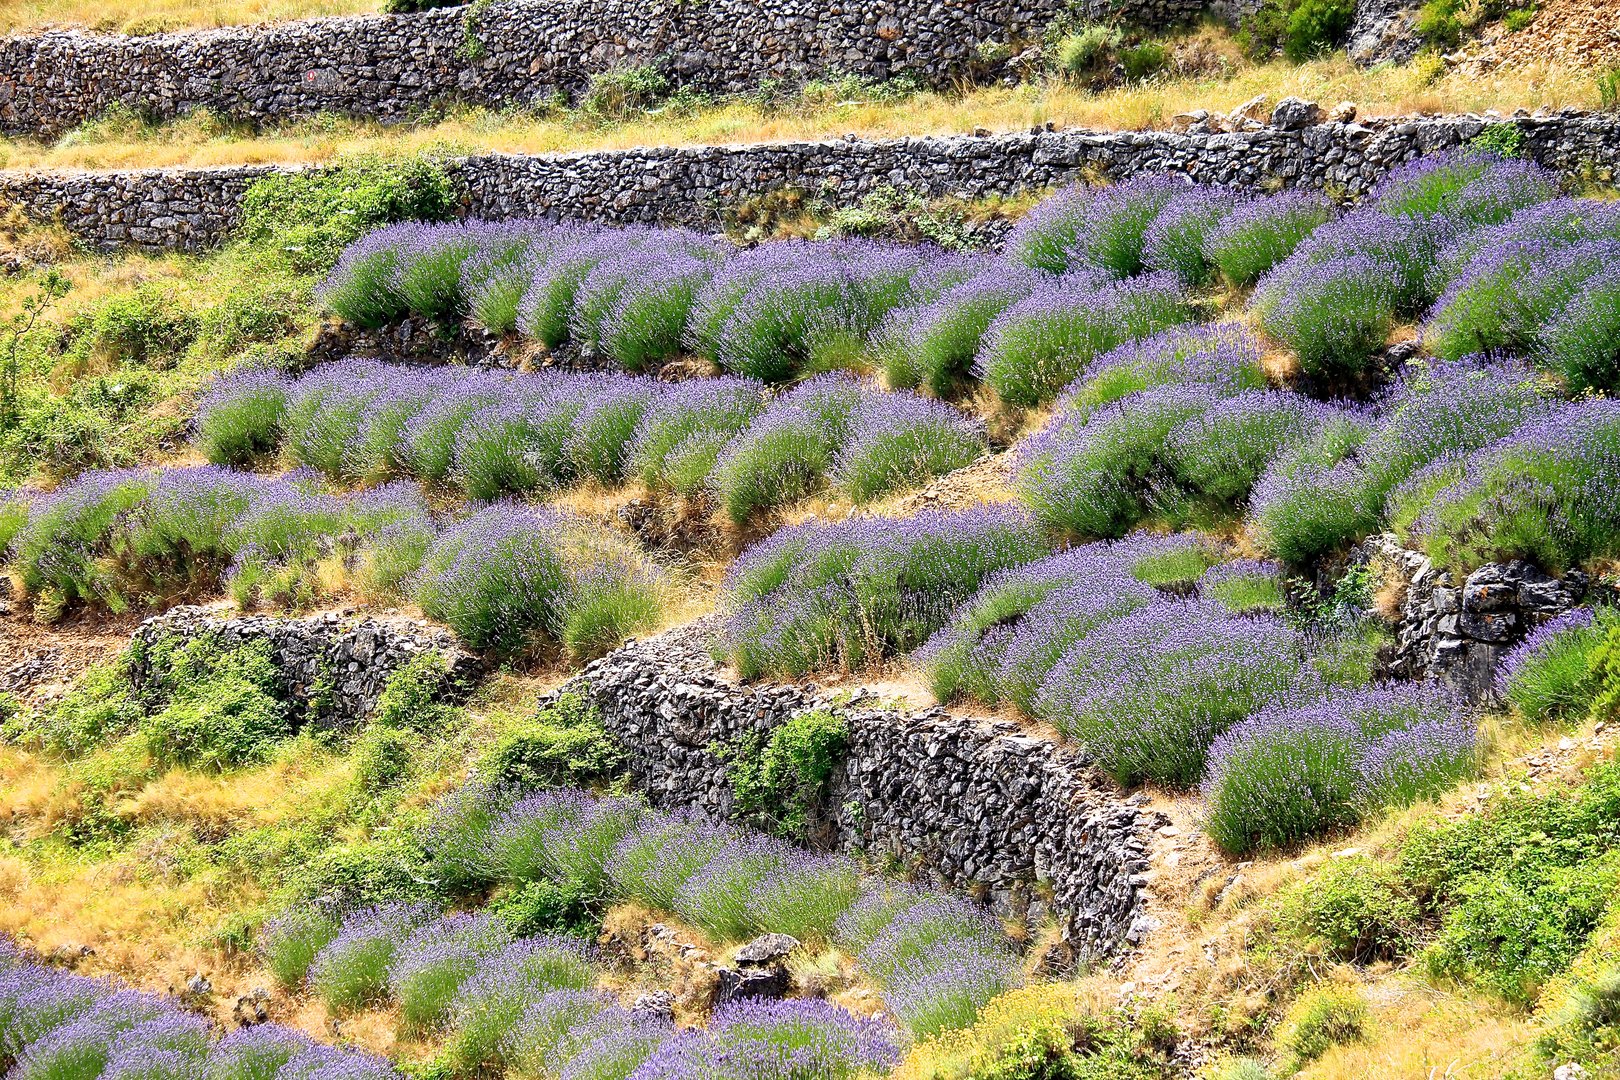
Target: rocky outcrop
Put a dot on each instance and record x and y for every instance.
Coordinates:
(333, 665)
(519, 52)
(979, 806)
(1383, 30)
(192, 209)
(1454, 630)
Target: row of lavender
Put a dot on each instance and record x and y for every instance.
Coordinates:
(492, 435)
(56, 1024)
(1166, 662)
(1483, 248)
(1474, 460)
(531, 1005)
(504, 577)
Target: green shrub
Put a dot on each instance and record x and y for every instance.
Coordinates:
(1503, 140)
(563, 745)
(1143, 60)
(413, 698)
(98, 709)
(546, 905)
(1519, 887)
(1088, 49)
(390, 868)
(308, 217)
(382, 758)
(1301, 29)
(1321, 1019)
(1609, 89)
(149, 326)
(216, 708)
(1358, 907)
(1512, 935)
(782, 780)
(1314, 26)
(624, 91)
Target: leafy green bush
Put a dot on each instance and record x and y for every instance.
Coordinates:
(1301, 29)
(1358, 907)
(222, 706)
(1088, 49)
(382, 758)
(546, 905)
(782, 780)
(413, 698)
(1503, 140)
(147, 326)
(1520, 887)
(624, 91)
(1321, 1019)
(563, 745)
(1511, 934)
(308, 217)
(1144, 59)
(98, 709)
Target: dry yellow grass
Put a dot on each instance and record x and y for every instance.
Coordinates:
(201, 141)
(152, 16)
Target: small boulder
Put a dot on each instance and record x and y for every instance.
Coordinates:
(1253, 109)
(1342, 113)
(654, 1005)
(768, 950)
(252, 1007)
(1295, 114)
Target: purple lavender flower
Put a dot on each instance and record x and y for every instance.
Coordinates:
(1290, 772)
(897, 441)
(1470, 188)
(1147, 693)
(1176, 239)
(864, 588)
(256, 1053)
(1038, 345)
(1261, 233)
(352, 969)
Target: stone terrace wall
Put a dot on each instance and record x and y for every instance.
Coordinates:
(191, 209)
(346, 661)
(392, 66)
(981, 806)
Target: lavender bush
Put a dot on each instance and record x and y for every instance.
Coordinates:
(1334, 314)
(1472, 189)
(490, 1004)
(1548, 677)
(351, 970)
(1178, 238)
(510, 579)
(864, 589)
(1582, 341)
(1259, 234)
(1546, 493)
(289, 943)
(428, 969)
(1331, 490)
(897, 441)
(932, 345)
(1002, 643)
(1040, 344)
(784, 454)
(240, 419)
(1224, 357)
(1290, 772)
(1146, 694)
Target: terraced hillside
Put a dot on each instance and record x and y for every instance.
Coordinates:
(982, 603)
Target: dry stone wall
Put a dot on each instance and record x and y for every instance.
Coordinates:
(391, 67)
(332, 664)
(1455, 629)
(980, 806)
(192, 209)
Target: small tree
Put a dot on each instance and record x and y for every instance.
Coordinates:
(51, 287)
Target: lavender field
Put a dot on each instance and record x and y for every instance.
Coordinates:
(1284, 528)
